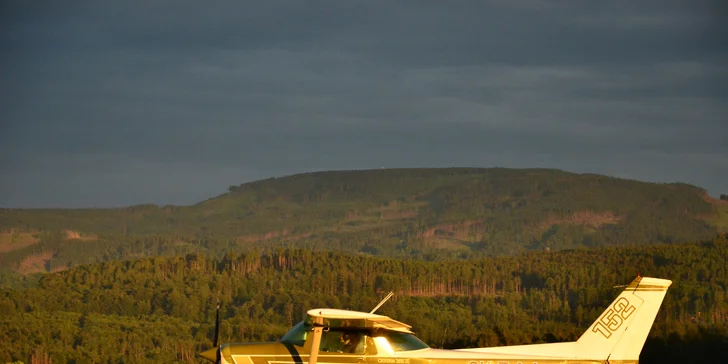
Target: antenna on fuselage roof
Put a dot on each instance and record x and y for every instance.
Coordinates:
(382, 301)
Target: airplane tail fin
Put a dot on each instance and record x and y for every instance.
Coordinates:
(620, 332)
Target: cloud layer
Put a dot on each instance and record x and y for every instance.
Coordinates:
(171, 102)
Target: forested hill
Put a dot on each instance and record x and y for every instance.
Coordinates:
(162, 309)
(416, 213)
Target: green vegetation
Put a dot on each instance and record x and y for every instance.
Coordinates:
(477, 257)
(424, 214)
(721, 216)
(161, 309)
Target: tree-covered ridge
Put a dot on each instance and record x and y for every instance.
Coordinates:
(420, 213)
(162, 309)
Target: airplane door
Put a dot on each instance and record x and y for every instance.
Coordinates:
(368, 350)
(346, 347)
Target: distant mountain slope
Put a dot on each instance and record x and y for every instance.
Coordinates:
(393, 212)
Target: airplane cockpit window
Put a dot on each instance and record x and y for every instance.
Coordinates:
(297, 334)
(400, 341)
(343, 341)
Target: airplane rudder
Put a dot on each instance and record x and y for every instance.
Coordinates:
(652, 291)
(606, 333)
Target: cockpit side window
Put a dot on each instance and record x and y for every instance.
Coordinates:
(347, 341)
(343, 341)
(371, 348)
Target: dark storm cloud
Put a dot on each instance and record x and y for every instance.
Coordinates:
(169, 102)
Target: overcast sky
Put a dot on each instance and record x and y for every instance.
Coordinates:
(114, 103)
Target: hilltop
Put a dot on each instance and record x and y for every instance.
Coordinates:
(411, 213)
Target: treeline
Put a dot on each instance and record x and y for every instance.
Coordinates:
(162, 309)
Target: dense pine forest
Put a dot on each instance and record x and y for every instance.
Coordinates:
(424, 214)
(161, 309)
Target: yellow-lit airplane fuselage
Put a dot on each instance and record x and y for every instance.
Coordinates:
(351, 337)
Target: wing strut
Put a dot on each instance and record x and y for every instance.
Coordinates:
(317, 331)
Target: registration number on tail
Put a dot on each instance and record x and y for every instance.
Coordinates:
(614, 317)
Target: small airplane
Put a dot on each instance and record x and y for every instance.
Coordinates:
(328, 336)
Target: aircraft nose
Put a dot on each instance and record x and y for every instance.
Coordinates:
(231, 355)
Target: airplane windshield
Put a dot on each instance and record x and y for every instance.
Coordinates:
(297, 334)
(400, 341)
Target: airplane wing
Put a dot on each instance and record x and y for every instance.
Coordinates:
(345, 318)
